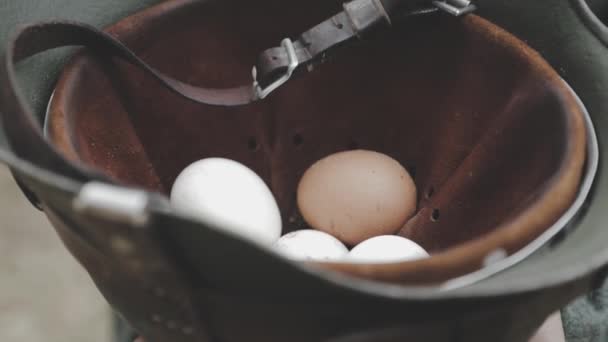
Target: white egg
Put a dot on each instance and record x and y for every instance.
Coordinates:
(386, 248)
(310, 245)
(229, 195)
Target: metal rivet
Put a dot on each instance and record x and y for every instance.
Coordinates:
(188, 330)
(121, 245)
(135, 265)
(157, 319)
(171, 325)
(159, 292)
(184, 302)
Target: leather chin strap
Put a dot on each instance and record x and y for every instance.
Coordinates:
(276, 65)
(273, 68)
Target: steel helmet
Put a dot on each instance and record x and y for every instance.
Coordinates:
(490, 104)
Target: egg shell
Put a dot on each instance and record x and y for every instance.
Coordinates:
(386, 249)
(356, 195)
(230, 196)
(310, 245)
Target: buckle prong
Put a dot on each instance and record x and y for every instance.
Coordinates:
(260, 92)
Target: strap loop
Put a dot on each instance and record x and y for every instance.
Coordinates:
(293, 64)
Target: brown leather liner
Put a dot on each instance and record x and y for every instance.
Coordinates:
(489, 129)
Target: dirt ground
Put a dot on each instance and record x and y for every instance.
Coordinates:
(45, 295)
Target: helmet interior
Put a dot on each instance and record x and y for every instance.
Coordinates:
(492, 137)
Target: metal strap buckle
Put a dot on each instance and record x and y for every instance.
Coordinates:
(260, 92)
(455, 7)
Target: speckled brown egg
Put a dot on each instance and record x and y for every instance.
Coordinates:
(356, 195)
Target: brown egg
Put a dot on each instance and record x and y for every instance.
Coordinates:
(356, 195)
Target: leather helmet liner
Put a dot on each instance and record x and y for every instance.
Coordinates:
(494, 139)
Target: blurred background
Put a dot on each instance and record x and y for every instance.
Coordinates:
(45, 295)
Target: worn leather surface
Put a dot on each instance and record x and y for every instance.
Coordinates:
(566, 259)
(471, 131)
(218, 304)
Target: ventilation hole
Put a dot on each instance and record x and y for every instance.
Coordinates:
(274, 58)
(435, 215)
(430, 192)
(298, 140)
(252, 144)
(340, 26)
(353, 145)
